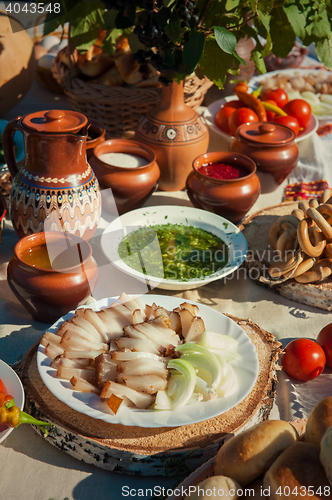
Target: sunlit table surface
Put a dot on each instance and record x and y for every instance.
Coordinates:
(31, 468)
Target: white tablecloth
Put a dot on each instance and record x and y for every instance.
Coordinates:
(33, 469)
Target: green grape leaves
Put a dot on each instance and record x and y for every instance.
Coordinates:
(88, 18)
(193, 50)
(324, 51)
(216, 63)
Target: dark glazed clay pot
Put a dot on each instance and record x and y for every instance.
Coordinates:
(230, 198)
(131, 187)
(49, 293)
(271, 146)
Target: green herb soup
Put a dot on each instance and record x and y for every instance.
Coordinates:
(174, 251)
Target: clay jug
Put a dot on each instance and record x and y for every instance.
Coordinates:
(177, 135)
(55, 189)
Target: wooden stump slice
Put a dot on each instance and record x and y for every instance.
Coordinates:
(148, 451)
(261, 255)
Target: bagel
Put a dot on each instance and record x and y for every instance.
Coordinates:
(278, 269)
(302, 268)
(326, 195)
(314, 203)
(319, 272)
(304, 240)
(318, 218)
(274, 234)
(298, 213)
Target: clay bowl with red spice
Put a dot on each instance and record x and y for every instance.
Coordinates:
(224, 183)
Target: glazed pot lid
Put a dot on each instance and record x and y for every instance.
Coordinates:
(272, 134)
(55, 120)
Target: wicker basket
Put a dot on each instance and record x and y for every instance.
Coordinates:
(118, 109)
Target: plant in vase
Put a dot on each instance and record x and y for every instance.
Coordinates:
(179, 37)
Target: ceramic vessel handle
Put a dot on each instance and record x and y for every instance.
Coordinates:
(9, 147)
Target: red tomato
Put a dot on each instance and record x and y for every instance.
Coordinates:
(279, 96)
(234, 104)
(324, 339)
(288, 121)
(300, 109)
(241, 116)
(303, 359)
(222, 118)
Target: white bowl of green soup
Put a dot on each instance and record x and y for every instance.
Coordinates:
(174, 247)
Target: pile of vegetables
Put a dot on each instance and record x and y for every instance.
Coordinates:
(273, 106)
(143, 356)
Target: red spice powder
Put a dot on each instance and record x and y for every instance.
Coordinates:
(222, 171)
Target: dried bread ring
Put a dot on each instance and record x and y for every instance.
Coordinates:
(303, 205)
(274, 234)
(288, 218)
(278, 269)
(328, 251)
(285, 240)
(298, 213)
(302, 268)
(304, 240)
(326, 195)
(319, 272)
(323, 225)
(314, 203)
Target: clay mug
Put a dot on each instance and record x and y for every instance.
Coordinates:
(272, 147)
(56, 188)
(230, 198)
(52, 273)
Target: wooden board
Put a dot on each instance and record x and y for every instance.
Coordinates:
(260, 255)
(145, 451)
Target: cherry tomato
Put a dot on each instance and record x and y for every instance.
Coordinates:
(279, 96)
(289, 121)
(303, 359)
(241, 116)
(222, 118)
(324, 339)
(300, 109)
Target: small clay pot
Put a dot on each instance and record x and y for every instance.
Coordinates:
(271, 146)
(49, 293)
(131, 187)
(230, 198)
(96, 135)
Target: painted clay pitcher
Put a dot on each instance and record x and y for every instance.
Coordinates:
(177, 135)
(56, 189)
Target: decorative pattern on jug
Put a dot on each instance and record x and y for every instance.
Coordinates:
(36, 206)
(172, 133)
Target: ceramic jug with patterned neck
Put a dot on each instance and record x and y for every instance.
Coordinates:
(55, 189)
